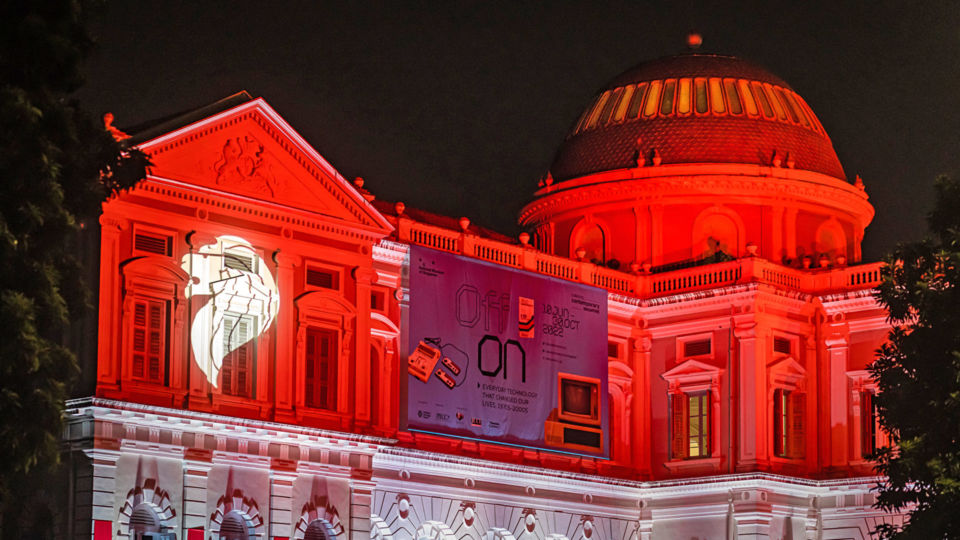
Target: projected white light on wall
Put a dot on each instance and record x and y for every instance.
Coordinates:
(234, 298)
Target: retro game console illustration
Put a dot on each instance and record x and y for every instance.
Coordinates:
(420, 364)
(423, 362)
(576, 423)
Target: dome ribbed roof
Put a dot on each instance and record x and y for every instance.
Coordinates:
(696, 108)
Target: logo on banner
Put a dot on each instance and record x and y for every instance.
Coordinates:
(526, 317)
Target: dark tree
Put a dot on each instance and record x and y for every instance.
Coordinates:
(56, 167)
(918, 375)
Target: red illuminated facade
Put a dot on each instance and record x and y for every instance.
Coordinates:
(251, 333)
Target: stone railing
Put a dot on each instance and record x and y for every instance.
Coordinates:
(643, 285)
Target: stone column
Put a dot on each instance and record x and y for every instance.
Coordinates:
(776, 235)
(656, 234)
(790, 232)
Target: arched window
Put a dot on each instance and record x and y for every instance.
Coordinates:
(591, 237)
(830, 240)
(234, 527)
(143, 520)
(717, 232)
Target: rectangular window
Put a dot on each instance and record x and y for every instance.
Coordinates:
(690, 425)
(244, 262)
(716, 96)
(636, 101)
(149, 350)
(625, 100)
(653, 99)
(321, 368)
(150, 242)
(322, 278)
(666, 102)
(613, 349)
(789, 408)
(239, 347)
(378, 301)
(700, 88)
(698, 427)
(683, 97)
(781, 422)
(700, 347)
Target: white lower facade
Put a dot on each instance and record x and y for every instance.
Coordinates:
(148, 472)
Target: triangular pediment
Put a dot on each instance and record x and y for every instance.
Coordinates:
(691, 368)
(786, 371)
(250, 151)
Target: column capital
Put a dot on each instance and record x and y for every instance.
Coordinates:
(286, 260)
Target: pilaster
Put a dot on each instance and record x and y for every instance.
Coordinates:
(108, 350)
(749, 380)
(838, 348)
(285, 372)
(363, 277)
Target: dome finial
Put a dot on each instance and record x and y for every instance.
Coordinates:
(694, 41)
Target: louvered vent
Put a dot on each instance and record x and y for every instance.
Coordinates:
(315, 531)
(781, 345)
(238, 261)
(324, 279)
(699, 347)
(232, 527)
(158, 244)
(144, 519)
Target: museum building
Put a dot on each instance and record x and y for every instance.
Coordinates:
(676, 346)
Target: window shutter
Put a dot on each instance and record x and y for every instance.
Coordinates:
(798, 411)
(311, 369)
(678, 432)
(778, 423)
(226, 371)
(155, 344)
(243, 360)
(149, 329)
(139, 337)
(867, 423)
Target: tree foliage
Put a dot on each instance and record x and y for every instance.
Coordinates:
(918, 377)
(56, 166)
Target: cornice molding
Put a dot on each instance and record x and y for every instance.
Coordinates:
(816, 191)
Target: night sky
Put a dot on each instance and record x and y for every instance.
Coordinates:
(458, 107)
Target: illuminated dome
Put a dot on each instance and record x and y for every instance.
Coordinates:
(697, 158)
(696, 108)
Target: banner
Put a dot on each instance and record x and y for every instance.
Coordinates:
(505, 356)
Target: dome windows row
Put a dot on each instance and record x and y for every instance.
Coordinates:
(700, 96)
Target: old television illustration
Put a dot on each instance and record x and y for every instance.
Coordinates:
(576, 422)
